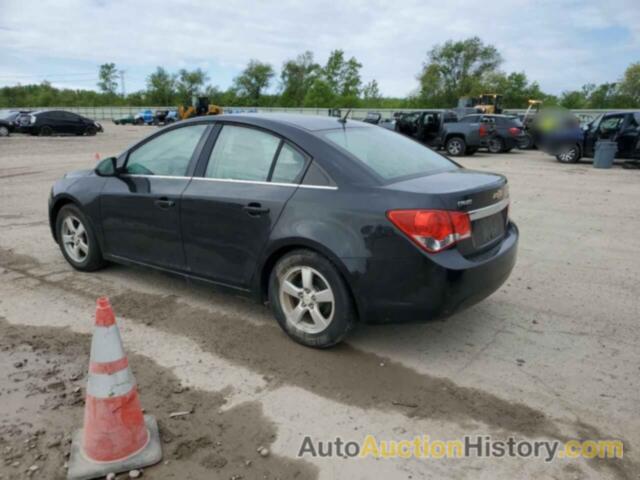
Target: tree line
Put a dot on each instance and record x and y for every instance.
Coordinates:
(451, 70)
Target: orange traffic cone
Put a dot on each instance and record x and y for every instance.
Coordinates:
(116, 437)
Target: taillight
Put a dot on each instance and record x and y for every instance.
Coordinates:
(483, 130)
(515, 131)
(432, 230)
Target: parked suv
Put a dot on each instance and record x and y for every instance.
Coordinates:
(507, 132)
(48, 122)
(621, 127)
(441, 129)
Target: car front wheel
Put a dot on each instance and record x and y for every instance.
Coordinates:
(310, 299)
(4, 131)
(77, 240)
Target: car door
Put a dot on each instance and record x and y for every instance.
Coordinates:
(229, 210)
(627, 137)
(140, 208)
(75, 123)
(606, 129)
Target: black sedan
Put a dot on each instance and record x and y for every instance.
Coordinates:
(49, 122)
(331, 222)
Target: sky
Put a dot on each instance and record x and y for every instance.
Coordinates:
(562, 44)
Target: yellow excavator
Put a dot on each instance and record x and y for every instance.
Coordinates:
(485, 103)
(200, 106)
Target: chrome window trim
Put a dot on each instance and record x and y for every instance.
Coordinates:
(231, 180)
(490, 210)
(171, 177)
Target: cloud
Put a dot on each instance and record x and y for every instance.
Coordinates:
(562, 44)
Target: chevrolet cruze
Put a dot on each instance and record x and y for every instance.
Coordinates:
(331, 222)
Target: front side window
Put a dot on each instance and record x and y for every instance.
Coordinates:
(167, 154)
(387, 153)
(242, 154)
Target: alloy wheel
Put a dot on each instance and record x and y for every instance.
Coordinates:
(75, 239)
(4, 131)
(307, 299)
(454, 147)
(568, 155)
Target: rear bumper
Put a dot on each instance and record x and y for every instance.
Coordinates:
(431, 287)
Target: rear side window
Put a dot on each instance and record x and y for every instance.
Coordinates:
(242, 154)
(388, 154)
(288, 166)
(167, 154)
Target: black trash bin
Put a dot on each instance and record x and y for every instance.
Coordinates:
(605, 153)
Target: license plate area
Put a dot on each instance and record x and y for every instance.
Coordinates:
(485, 231)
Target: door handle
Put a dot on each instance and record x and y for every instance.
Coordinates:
(164, 202)
(255, 209)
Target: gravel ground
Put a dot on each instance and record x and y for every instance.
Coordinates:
(554, 354)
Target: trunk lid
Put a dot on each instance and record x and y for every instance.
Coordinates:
(484, 196)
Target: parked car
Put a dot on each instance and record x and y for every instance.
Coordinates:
(49, 122)
(373, 118)
(12, 117)
(125, 120)
(165, 117)
(507, 132)
(143, 117)
(571, 144)
(441, 129)
(332, 222)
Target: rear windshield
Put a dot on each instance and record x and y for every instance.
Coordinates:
(389, 154)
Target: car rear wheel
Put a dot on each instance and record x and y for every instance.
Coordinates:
(496, 145)
(45, 131)
(570, 154)
(456, 146)
(77, 240)
(310, 299)
(4, 131)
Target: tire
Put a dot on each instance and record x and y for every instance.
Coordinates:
(456, 146)
(569, 154)
(4, 131)
(139, 121)
(338, 314)
(526, 144)
(496, 145)
(45, 131)
(87, 258)
(91, 131)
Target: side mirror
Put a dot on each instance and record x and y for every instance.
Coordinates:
(108, 167)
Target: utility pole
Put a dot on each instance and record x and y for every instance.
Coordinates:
(122, 72)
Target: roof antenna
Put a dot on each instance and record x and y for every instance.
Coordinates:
(344, 119)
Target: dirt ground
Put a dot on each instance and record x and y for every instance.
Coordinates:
(554, 354)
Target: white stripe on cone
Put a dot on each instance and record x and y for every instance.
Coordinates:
(106, 345)
(101, 385)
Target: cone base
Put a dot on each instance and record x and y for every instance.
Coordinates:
(82, 468)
